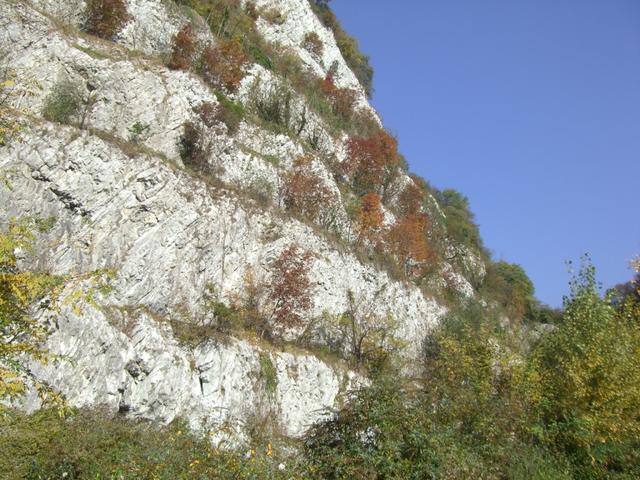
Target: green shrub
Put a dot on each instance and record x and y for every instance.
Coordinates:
(274, 107)
(93, 445)
(356, 60)
(194, 147)
(269, 374)
(64, 102)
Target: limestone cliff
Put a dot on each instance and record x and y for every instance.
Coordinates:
(130, 205)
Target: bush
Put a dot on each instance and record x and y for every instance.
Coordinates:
(369, 218)
(407, 241)
(226, 112)
(274, 107)
(106, 17)
(356, 60)
(304, 193)
(93, 445)
(313, 44)
(509, 285)
(342, 99)
(63, 103)
(182, 50)
(222, 65)
(372, 161)
(290, 289)
(194, 147)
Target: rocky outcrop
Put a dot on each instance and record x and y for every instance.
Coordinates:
(167, 233)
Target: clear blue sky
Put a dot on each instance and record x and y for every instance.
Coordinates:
(530, 108)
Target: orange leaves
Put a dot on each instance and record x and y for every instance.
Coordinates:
(221, 65)
(183, 49)
(290, 289)
(372, 161)
(369, 218)
(407, 240)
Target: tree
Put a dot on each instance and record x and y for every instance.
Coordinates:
(20, 334)
(304, 193)
(407, 241)
(411, 199)
(183, 49)
(222, 65)
(367, 337)
(106, 17)
(589, 367)
(290, 289)
(509, 285)
(369, 218)
(372, 161)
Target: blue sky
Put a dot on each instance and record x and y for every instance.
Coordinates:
(530, 108)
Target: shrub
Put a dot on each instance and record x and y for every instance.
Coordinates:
(411, 199)
(106, 17)
(303, 192)
(407, 241)
(356, 60)
(369, 218)
(589, 369)
(313, 44)
(509, 285)
(460, 225)
(274, 106)
(63, 103)
(290, 288)
(194, 147)
(226, 112)
(372, 161)
(342, 99)
(222, 65)
(367, 338)
(9, 126)
(182, 50)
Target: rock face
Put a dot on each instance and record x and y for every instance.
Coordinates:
(168, 233)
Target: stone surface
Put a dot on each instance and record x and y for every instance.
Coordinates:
(168, 233)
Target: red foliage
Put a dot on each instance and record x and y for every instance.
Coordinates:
(372, 161)
(184, 47)
(304, 192)
(290, 290)
(407, 241)
(106, 17)
(222, 65)
(342, 99)
(369, 217)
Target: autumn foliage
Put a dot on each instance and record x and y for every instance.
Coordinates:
(290, 290)
(372, 161)
(407, 240)
(410, 199)
(105, 18)
(304, 192)
(183, 49)
(369, 218)
(222, 65)
(342, 99)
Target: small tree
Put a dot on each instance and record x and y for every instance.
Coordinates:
(64, 102)
(183, 49)
(365, 336)
(407, 241)
(589, 367)
(313, 44)
(303, 192)
(372, 161)
(222, 65)
(369, 218)
(105, 18)
(290, 289)
(194, 146)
